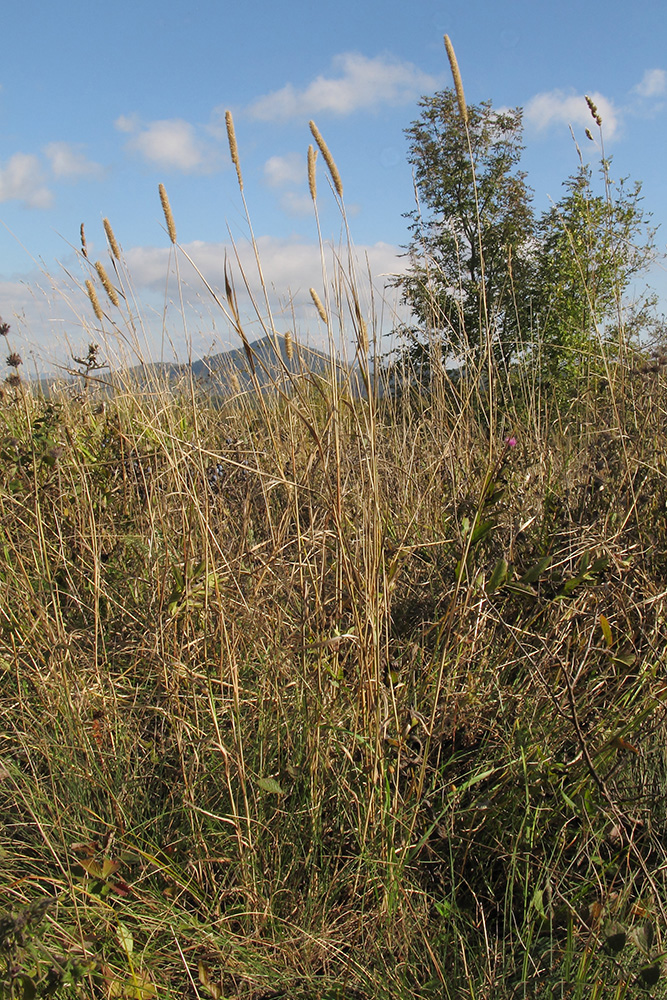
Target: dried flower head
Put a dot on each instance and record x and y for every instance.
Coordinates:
(328, 158)
(318, 305)
(13, 380)
(106, 284)
(458, 82)
(4, 329)
(113, 245)
(312, 183)
(168, 217)
(592, 107)
(14, 360)
(233, 148)
(94, 301)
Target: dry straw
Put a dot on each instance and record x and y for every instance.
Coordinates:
(318, 305)
(94, 301)
(312, 182)
(168, 217)
(111, 239)
(458, 83)
(233, 148)
(106, 284)
(328, 159)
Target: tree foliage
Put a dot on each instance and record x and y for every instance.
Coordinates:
(485, 270)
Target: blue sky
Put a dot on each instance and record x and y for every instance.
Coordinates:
(99, 103)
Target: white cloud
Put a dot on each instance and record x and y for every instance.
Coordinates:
(360, 83)
(69, 162)
(296, 204)
(280, 171)
(289, 265)
(560, 107)
(22, 179)
(170, 143)
(652, 84)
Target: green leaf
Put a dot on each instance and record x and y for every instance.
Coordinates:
(28, 990)
(649, 974)
(606, 631)
(615, 937)
(270, 785)
(481, 530)
(642, 936)
(125, 938)
(498, 576)
(536, 571)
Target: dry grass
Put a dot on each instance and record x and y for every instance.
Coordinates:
(312, 695)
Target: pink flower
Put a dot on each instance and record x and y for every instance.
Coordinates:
(510, 442)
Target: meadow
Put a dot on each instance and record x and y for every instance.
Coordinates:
(314, 693)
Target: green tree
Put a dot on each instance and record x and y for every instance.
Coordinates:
(483, 269)
(589, 249)
(471, 230)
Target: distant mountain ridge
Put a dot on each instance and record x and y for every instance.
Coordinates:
(229, 369)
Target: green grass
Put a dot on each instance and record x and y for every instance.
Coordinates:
(378, 713)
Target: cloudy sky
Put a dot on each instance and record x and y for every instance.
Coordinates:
(99, 103)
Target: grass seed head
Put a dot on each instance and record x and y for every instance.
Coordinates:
(168, 217)
(106, 283)
(94, 301)
(113, 245)
(289, 345)
(233, 148)
(328, 158)
(592, 107)
(84, 247)
(458, 82)
(318, 305)
(312, 178)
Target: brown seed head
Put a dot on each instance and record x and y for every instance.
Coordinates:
(106, 284)
(458, 82)
(113, 245)
(84, 247)
(94, 301)
(233, 148)
(4, 329)
(328, 158)
(168, 217)
(318, 305)
(14, 360)
(13, 380)
(312, 181)
(289, 345)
